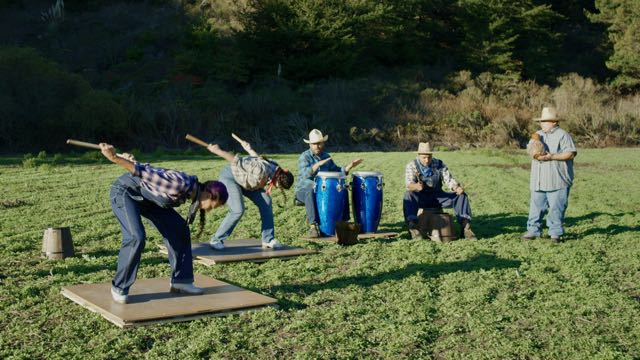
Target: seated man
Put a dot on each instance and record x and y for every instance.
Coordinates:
(310, 162)
(424, 177)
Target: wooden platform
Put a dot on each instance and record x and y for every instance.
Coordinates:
(150, 301)
(380, 234)
(241, 250)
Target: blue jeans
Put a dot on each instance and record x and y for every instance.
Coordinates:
(308, 197)
(413, 201)
(128, 206)
(236, 208)
(553, 202)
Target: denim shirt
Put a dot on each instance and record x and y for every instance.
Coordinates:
(307, 159)
(554, 174)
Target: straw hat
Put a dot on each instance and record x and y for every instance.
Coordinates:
(425, 148)
(315, 136)
(548, 114)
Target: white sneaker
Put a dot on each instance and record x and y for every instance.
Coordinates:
(189, 288)
(273, 244)
(217, 245)
(119, 298)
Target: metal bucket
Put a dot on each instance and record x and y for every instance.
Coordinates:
(57, 243)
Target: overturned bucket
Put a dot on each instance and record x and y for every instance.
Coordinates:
(57, 243)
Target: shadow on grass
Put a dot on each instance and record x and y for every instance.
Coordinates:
(488, 226)
(84, 269)
(476, 263)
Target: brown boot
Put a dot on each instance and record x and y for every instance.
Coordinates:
(467, 233)
(414, 230)
(313, 231)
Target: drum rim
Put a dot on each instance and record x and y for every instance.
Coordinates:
(366, 173)
(330, 174)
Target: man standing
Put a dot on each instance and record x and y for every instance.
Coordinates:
(551, 177)
(310, 162)
(423, 178)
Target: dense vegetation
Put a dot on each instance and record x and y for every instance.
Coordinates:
(374, 74)
(497, 298)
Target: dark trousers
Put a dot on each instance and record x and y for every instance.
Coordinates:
(435, 199)
(308, 197)
(169, 223)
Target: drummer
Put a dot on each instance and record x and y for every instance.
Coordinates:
(424, 177)
(310, 162)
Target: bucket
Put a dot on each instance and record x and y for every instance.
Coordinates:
(347, 232)
(435, 224)
(57, 243)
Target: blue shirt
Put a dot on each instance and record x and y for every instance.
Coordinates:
(554, 174)
(307, 159)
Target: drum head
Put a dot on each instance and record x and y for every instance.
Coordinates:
(367, 174)
(330, 174)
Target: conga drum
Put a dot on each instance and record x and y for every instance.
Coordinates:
(366, 194)
(331, 193)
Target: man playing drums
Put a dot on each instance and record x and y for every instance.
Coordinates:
(310, 163)
(424, 177)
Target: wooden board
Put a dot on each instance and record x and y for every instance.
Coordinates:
(241, 250)
(150, 301)
(380, 234)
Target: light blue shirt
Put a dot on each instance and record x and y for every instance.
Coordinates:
(554, 174)
(307, 159)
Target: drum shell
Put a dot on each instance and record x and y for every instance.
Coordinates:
(57, 243)
(366, 195)
(331, 193)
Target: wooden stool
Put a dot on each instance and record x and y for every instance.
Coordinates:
(436, 224)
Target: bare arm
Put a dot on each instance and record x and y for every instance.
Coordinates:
(564, 156)
(215, 149)
(110, 153)
(245, 145)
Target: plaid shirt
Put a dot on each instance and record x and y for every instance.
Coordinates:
(436, 165)
(173, 185)
(252, 173)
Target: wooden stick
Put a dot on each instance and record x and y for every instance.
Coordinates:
(196, 140)
(89, 146)
(236, 137)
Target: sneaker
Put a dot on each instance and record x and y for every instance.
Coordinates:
(556, 239)
(414, 230)
(273, 244)
(216, 245)
(435, 236)
(468, 234)
(313, 231)
(529, 236)
(119, 298)
(190, 289)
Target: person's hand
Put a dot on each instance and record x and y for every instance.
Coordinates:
(352, 164)
(317, 165)
(545, 157)
(213, 148)
(416, 187)
(459, 190)
(108, 151)
(245, 145)
(128, 156)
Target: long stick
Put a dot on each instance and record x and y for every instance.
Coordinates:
(88, 145)
(236, 137)
(196, 140)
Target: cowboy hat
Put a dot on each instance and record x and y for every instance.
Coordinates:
(315, 136)
(425, 148)
(548, 114)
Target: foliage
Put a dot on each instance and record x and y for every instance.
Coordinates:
(497, 298)
(623, 20)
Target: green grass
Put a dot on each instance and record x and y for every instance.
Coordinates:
(495, 298)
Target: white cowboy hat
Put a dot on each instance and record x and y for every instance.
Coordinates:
(425, 148)
(548, 114)
(315, 136)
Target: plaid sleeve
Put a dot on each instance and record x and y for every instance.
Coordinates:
(410, 175)
(163, 181)
(448, 178)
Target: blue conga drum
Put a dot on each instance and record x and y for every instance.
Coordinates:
(366, 190)
(331, 193)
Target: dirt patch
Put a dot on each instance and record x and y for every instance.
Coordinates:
(7, 204)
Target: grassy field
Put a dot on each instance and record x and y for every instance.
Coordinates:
(495, 298)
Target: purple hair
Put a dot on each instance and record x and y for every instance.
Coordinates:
(218, 190)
